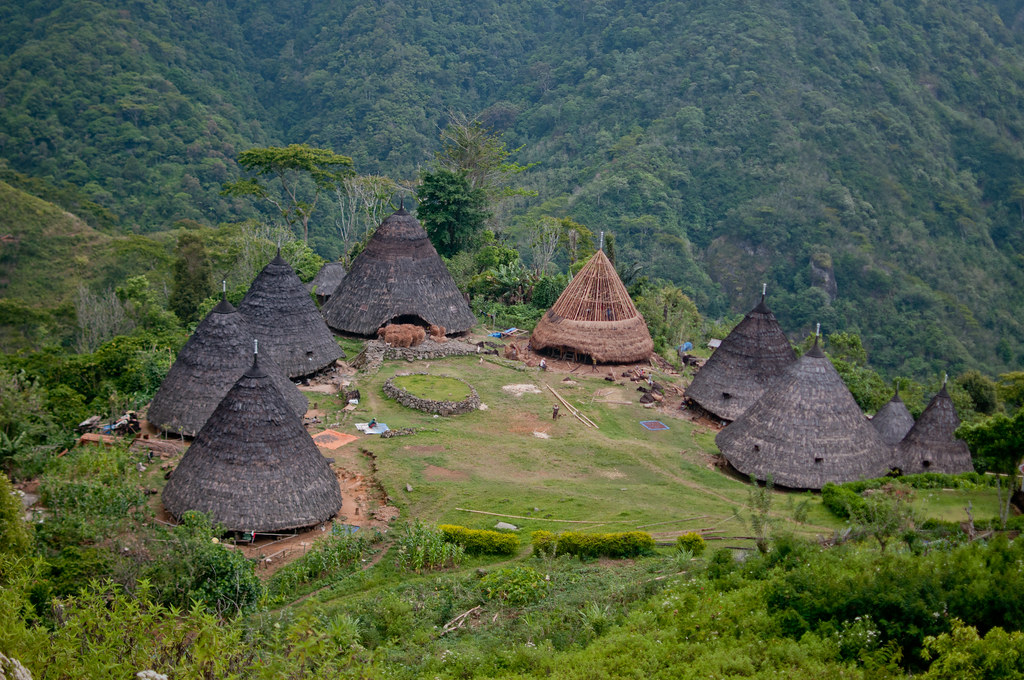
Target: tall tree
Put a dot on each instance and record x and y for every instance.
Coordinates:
(192, 277)
(470, 147)
(364, 202)
(291, 178)
(451, 210)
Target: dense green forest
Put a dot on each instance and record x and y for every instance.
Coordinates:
(861, 158)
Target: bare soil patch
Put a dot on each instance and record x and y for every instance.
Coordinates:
(520, 390)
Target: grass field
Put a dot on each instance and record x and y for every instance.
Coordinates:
(510, 461)
(433, 387)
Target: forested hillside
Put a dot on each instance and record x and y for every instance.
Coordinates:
(863, 158)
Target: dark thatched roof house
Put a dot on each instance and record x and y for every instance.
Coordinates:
(749, 359)
(326, 281)
(219, 351)
(893, 421)
(253, 466)
(398, 278)
(594, 316)
(286, 321)
(806, 430)
(931, 445)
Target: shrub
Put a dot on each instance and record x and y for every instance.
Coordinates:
(519, 585)
(692, 542)
(623, 544)
(14, 535)
(721, 564)
(480, 541)
(840, 500)
(194, 567)
(544, 543)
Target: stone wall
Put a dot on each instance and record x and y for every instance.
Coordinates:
(444, 408)
(377, 351)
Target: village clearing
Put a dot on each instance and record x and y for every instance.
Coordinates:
(514, 463)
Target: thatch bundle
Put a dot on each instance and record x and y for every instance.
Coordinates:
(253, 466)
(749, 359)
(595, 316)
(400, 278)
(893, 421)
(326, 281)
(219, 351)
(286, 321)
(806, 430)
(931, 445)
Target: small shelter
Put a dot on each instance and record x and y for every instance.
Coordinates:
(893, 421)
(219, 351)
(594, 316)
(398, 278)
(253, 466)
(745, 363)
(285, 320)
(806, 430)
(326, 281)
(931, 445)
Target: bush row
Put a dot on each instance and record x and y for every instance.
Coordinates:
(481, 541)
(622, 544)
(840, 498)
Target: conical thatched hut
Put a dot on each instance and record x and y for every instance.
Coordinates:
(931, 445)
(893, 421)
(594, 316)
(326, 281)
(398, 278)
(219, 351)
(286, 321)
(253, 466)
(749, 359)
(806, 430)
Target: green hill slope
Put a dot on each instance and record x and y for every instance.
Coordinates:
(44, 251)
(864, 159)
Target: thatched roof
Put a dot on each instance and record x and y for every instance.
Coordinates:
(253, 466)
(398, 277)
(326, 281)
(931, 445)
(286, 321)
(893, 421)
(219, 351)
(595, 316)
(749, 359)
(806, 430)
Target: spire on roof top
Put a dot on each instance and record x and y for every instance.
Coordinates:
(764, 291)
(601, 246)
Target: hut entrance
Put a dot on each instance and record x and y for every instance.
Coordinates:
(568, 354)
(407, 318)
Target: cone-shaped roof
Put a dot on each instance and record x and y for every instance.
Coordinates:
(326, 280)
(595, 316)
(286, 321)
(218, 352)
(749, 359)
(806, 430)
(931, 445)
(398, 277)
(893, 421)
(253, 466)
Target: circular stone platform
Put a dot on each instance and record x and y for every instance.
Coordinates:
(441, 407)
